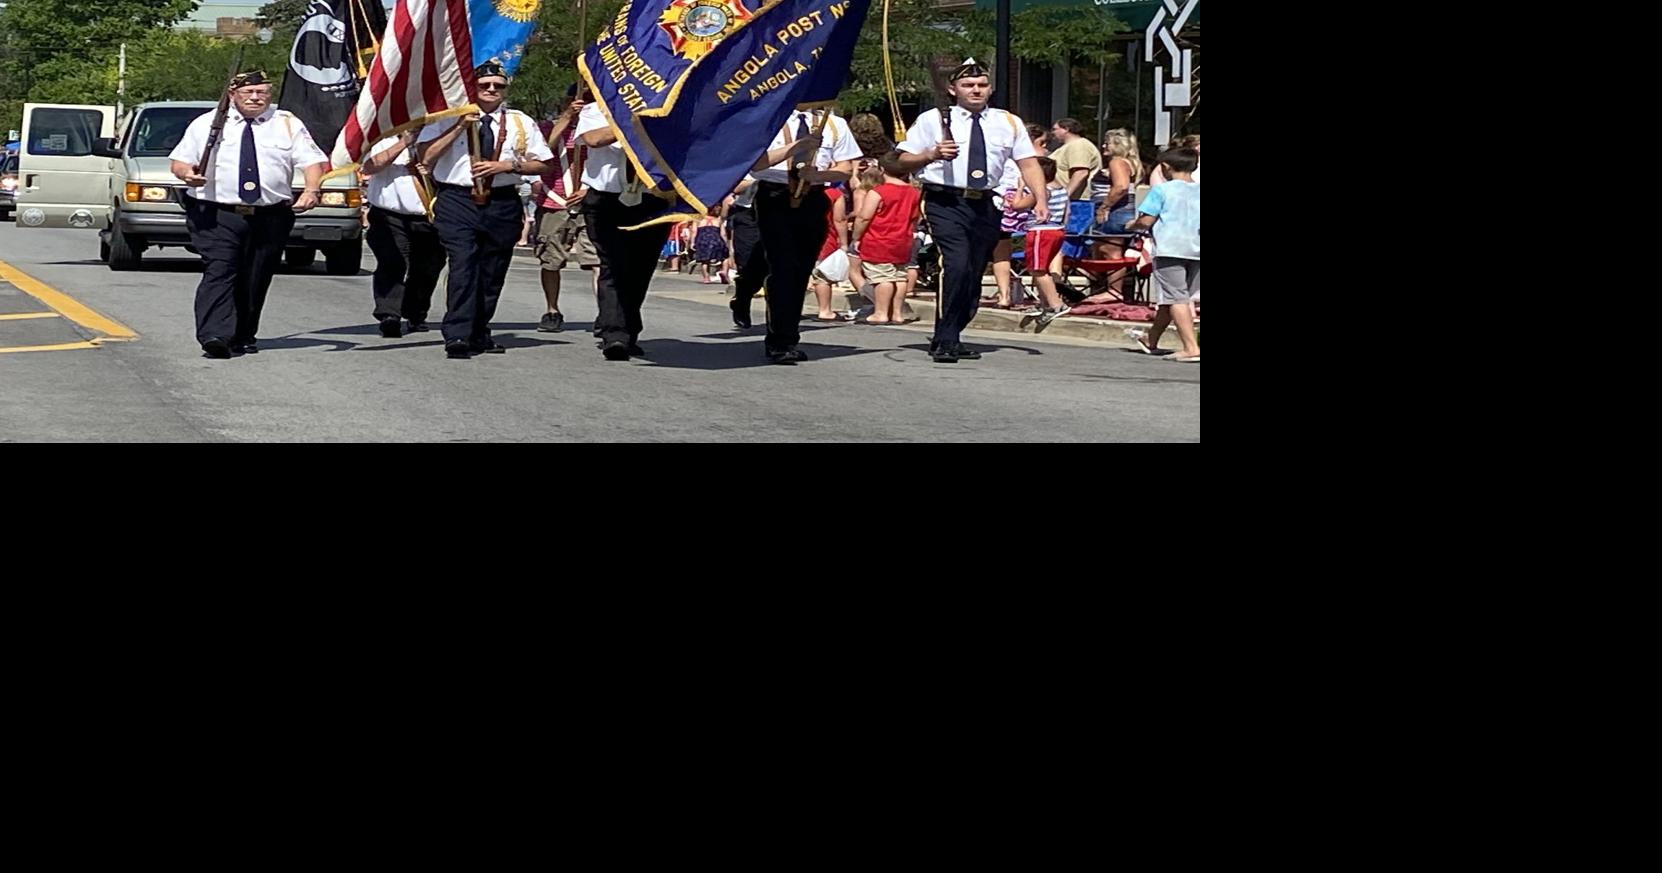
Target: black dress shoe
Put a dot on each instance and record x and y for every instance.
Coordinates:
(615, 350)
(392, 327)
(965, 353)
(635, 351)
(796, 354)
(458, 349)
(245, 347)
(782, 356)
(552, 322)
(741, 316)
(944, 355)
(216, 348)
(418, 326)
(489, 347)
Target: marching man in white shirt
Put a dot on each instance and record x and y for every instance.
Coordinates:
(792, 233)
(616, 200)
(408, 253)
(480, 237)
(960, 201)
(240, 208)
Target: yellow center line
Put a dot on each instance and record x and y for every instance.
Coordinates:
(67, 306)
(60, 347)
(21, 316)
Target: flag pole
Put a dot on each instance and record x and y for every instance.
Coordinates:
(579, 151)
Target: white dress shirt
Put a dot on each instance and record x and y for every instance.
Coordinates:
(1005, 136)
(455, 167)
(836, 144)
(603, 169)
(1011, 180)
(281, 140)
(394, 188)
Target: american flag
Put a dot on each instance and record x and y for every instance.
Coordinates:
(423, 73)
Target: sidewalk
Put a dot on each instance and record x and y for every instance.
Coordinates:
(1095, 331)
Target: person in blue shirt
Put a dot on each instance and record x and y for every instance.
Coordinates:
(1172, 209)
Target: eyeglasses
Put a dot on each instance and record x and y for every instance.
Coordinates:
(485, 87)
(255, 95)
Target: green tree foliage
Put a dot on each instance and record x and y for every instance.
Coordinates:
(549, 66)
(65, 50)
(287, 12)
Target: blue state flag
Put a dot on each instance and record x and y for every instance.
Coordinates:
(500, 30)
(697, 89)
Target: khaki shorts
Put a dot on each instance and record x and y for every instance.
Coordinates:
(883, 272)
(561, 234)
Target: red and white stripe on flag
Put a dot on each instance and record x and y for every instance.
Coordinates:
(424, 72)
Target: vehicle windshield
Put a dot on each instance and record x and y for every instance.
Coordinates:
(159, 130)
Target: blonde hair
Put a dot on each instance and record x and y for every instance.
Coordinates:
(871, 177)
(1122, 143)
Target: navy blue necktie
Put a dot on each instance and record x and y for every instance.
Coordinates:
(487, 139)
(977, 154)
(248, 179)
(794, 172)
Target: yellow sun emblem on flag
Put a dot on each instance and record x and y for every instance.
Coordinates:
(695, 26)
(518, 10)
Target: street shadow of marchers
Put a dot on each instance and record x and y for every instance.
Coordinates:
(760, 329)
(349, 330)
(393, 346)
(291, 343)
(683, 355)
(172, 265)
(979, 347)
(570, 326)
(527, 342)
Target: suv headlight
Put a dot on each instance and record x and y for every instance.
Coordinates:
(147, 193)
(351, 199)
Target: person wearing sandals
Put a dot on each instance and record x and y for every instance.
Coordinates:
(710, 245)
(1016, 219)
(836, 240)
(867, 176)
(1044, 243)
(883, 231)
(1172, 209)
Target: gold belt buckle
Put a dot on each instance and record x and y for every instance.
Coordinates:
(974, 194)
(244, 209)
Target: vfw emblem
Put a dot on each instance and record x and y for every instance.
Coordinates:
(518, 10)
(695, 26)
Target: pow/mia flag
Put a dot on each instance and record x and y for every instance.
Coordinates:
(334, 47)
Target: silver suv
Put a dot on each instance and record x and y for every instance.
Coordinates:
(125, 186)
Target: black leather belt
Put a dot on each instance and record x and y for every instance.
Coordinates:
(246, 208)
(966, 193)
(499, 192)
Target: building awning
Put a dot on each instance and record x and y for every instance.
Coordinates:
(1136, 13)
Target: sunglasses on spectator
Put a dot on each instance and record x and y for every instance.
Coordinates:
(485, 86)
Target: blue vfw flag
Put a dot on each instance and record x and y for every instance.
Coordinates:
(501, 29)
(698, 88)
